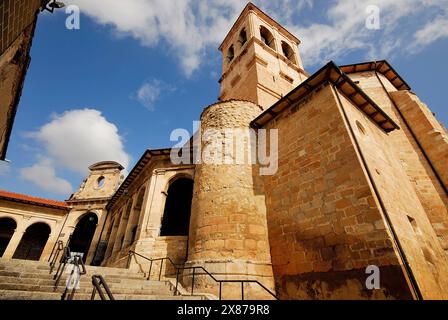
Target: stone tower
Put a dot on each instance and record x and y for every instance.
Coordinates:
(261, 60)
(228, 230)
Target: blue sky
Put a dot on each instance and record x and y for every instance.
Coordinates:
(138, 69)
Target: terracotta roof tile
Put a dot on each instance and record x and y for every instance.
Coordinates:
(29, 199)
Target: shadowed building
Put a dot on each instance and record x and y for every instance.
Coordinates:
(18, 20)
(361, 181)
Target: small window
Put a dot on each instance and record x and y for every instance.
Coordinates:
(267, 37)
(100, 182)
(230, 54)
(288, 52)
(243, 37)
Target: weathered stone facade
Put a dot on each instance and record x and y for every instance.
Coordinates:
(361, 182)
(17, 23)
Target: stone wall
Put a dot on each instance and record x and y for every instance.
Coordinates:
(26, 215)
(17, 22)
(401, 201)
(153, 181)
(324, 221)
(430, 192)
(16, 15)
(228, 233)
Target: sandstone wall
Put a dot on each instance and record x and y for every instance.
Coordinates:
(408, 216)
(428, 189)
(325, 225)
(17, 22)
(228, 233)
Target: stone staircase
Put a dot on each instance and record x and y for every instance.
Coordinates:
(30, 280)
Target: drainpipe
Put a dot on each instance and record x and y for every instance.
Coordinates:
(409, 272)
(412, 133)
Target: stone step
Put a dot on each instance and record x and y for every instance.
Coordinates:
(114, 282)
(26, 295)
(45, 266)
(86, 289)
(46, 275)
(46, 269)
(143, 285)
(30, 280)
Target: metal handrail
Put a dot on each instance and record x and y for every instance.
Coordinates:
(179, 268)
(59, 248)
(98, 282)
(131, 253)
(78, 264)
(61, 268)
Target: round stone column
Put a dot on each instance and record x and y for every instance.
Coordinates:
(228, 228)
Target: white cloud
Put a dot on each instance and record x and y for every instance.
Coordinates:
(432, 31)
(189, 27)
(73, 141)
(43, 175)
(150, 92)
(345, 29)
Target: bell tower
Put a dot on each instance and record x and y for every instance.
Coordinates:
(261, 60)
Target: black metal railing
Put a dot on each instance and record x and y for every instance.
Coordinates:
(99, 283)
(55, 254)
(74, 280)
(65, 258)
(56, 248)
(194, 274)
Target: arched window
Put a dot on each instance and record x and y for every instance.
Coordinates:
(33, 242)
(288, 52)
(267, 37)
(7, 228)
(243, 37)
(230, 54)
(176, 216)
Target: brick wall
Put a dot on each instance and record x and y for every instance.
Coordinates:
(324, 222)
(15, 16)
(17, 21)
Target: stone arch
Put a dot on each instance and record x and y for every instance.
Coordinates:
(288, 52)
(8, 226)
(131, 230)
(83, 234)
(176, 215)
(242, 37)
(33, 241)
(177, 176)
(266, 37)
(230, 54)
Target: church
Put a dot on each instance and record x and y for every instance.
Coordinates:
(361, 183)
